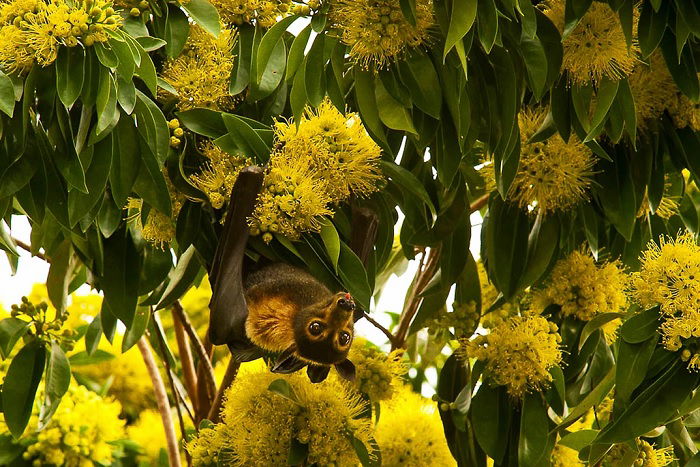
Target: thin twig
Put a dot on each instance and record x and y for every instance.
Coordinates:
(479, 203)
(26, 247)
(425, 273)
(387, 333)
(161, 401)
(204, 358)
(204, 395)
(171, 380)
(229, 377)
(185, 352)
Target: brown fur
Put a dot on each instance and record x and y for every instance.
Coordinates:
(283, 301)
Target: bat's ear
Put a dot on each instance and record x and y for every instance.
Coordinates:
(287, 362)
(358, 314)
(346, 369)
(317, 373)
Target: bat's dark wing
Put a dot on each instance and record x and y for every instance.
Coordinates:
(228, 309)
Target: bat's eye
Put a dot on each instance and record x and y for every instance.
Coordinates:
(316, 328)
(344, 338)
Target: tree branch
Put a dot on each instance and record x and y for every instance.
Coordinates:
(185, 352)
(426, 271)
(387, 333)
(28, 248)
(204, 359)
(161, 400)
(479, 203)
(229, 377)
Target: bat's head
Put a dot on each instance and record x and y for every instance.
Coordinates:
(323, 332)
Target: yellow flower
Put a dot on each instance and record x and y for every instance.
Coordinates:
(684, 112)
(489, 294)
(337, 147)
(377, 31)
(258, 425)
(583, 289)
(292, 200)
(518, 353)
(670, 275)
(201, 73)
(159, 229)
(653, 89)
(463, 319)
(149, 434)
(219, 174)
(553, 175)
(80, 431)
(648, 456)
(410, 433)
(596, 48)
(563, 456)
(263, 12)
(205, 447)
(378, 375)
(126, 377)
(667, 208)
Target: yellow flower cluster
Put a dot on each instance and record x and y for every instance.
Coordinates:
(653, 89)
(648, 456)
(126, 376)
(553, 175)
(563, 456)
(410, 433)
(31, 31)
(489, 294)
(518, 353)
(377, 374)
(463, 319)
(263, 12)
(684, 112)
(79, 432)
(596, 48)
(582, 288)
(159, 229)
(377, 31)
(258, 425)
(134, 7)
(667, 208)
(219, 174)
(201, 73)
(324, 161)
(670, 277)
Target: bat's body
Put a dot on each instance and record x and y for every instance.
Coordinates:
(280, 309)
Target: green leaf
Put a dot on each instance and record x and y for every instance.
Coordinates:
(181, 278)
(145, 68)
(120, 278)
(535, 58)
(641, 326)
(152, 126)
(296, 52)
(331, 240)
(607, 90)
(56, 383)
(632, 363)
(533, 442)
(366, 459)
(11, 330)
(204, 14)
(542, 244)
(81, 204)
(70, 74)
(246, 138)
(391, 112)
(314, 67)
(461, 21)
(593, 398)
(126, 162)
(20, 386)
(177, 28)
(106, 101)
(93, 334)
(354, 276)
(83, 358)
(491, 419)
(60, 275)
(240, 78)
(596, 323)
(203, 121)
(419, 75)
(298, 452)
(653, 407)
(488, 23)
(578, 439)
(284, 389)
(269, 42)
(407, 181)
(137, 329)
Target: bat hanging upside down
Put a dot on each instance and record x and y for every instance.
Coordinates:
(281, 309)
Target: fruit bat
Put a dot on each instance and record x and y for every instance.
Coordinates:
(278, 309)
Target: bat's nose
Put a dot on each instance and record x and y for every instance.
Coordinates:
(346, 303)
